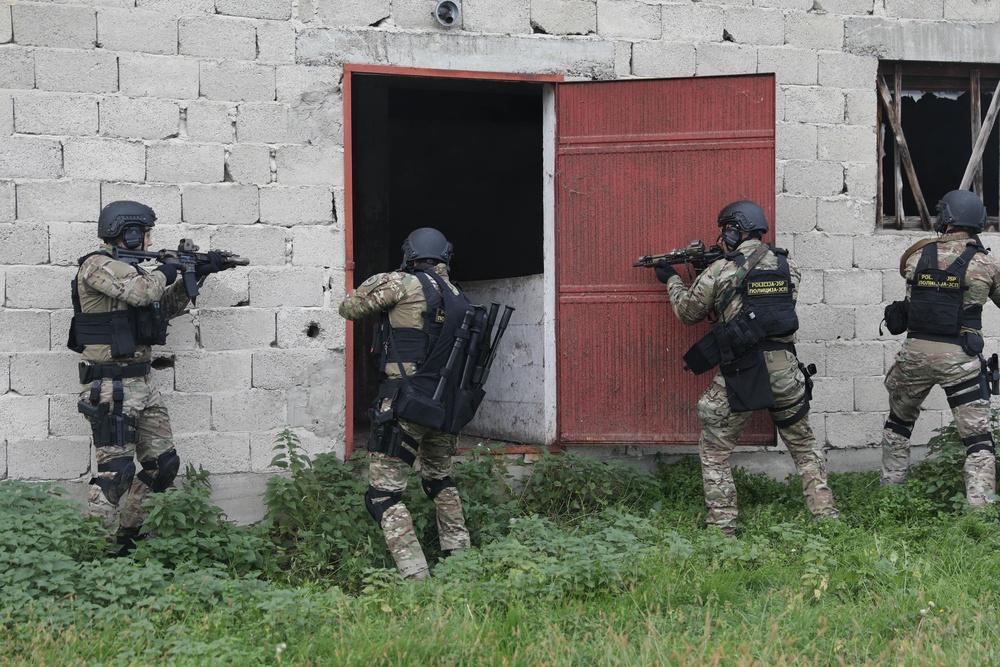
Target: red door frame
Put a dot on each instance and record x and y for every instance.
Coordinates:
(349, 71)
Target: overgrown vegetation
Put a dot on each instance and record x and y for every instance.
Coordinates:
(579, 562)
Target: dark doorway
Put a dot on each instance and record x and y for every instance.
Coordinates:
(461, 155)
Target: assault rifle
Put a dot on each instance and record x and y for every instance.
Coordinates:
(186, 255)
(695, 255)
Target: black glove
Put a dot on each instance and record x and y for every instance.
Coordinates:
(214, 264)
(664, 271)
(170, 271)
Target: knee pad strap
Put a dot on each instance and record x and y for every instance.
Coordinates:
(117, 486)
(160, 473)
(432, 487)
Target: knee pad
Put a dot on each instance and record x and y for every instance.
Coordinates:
(378, 502)
(160, 473)
(432, 487)
(117, 486)
(899, 426)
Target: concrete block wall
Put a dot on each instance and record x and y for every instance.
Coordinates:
(226, 116)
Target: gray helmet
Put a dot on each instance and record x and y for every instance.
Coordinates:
(118, 215)
(960, 208)
(746, 215)
(426, 243)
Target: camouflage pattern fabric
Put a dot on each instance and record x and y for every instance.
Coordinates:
(402, 295)
(921, 364)
(106, 285)
(720, 426)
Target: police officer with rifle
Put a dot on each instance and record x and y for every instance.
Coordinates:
(434, 352)
(748, 292)
(119, 312)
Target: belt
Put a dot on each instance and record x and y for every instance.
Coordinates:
(773, 346)
(939, 338)
(90, 371)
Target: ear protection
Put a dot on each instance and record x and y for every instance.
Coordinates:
(730, 235)
(133, 236)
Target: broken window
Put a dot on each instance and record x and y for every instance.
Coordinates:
(936, 134)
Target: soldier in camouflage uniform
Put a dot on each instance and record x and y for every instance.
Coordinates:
(948, 278)
(399, 296)
(120, 311)
(720, 291)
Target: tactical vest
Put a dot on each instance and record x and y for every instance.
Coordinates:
(431, 395)
(121, 329)
(936, 294)
(768, 294)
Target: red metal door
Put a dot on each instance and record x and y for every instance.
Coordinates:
(643, 167)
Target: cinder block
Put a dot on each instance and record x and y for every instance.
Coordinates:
(137, 30)
(65, 201)
(971, 11)
(76, 71)
(217, 37)
(40, 113)
(755, 25)
(249, 163)
(692, 24)
(275, 42)
(794, 214)
(288, 206)
(262, 245)
(833, 394)
(282, 369)
(912, 9)
(296, 81)
(852, 287)
(852, 359)
(69, 242)
(262, 445)
(814, 30)
(24, 330)
(168, 77)
(623, 59)
(25, 416)
(30, 157)
(846, 70)
(165, 200)
(252, 410)
(354, 12)
(106, 159)
(256, 9)
(211, 121)
(810, 287)
(808, 104)
(8, 210)
(24, 243)
(861, 182)
(214, 451)
(725, 58)
(497, 16)
(868, 319)
(185, 162)
(852, 429)
(557, 17)
(305, 165)
(824, 322)
(6, 33)
(4, 365)
(318, 245)
(181, 336)
(262, 122)
(225, 290)
(662, 59)
(311, 328)
(870, 394)
(17, 67)
(862, 106)
(178, 7)
(843, 215)
(819, 179)
(223, 204)
(795, 141)
(64, 419)
(236, 328)
(59, 328)
(44, 373)
(287, 287)
(139, 118)
(189, 413)
(317, 115)
(6, 115)
(822, 251)
(237, 81)
(319, 403)
(48, 458)
(39, 286)
(790, 66)
(212, 371)
(624, 19)
(240, 496)
(60, 26)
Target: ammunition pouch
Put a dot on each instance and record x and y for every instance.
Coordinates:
(726, 342)
(972, 344)
(748, 383)
(108, 423)
(703, 356)
(896, 316)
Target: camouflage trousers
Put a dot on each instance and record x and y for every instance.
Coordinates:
(391, 474)
(920, 365)
(145, 403)
(721, 429)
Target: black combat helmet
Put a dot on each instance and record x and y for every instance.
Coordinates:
(426, 243)
(961, 208)
(746, 215)
(118, 215)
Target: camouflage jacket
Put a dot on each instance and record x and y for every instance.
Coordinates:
(398, 292)
(105, 285)
(982, 276)
(706, 294)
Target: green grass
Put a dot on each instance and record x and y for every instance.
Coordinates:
(616, 569)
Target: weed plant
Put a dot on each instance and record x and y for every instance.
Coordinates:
(582, 563)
